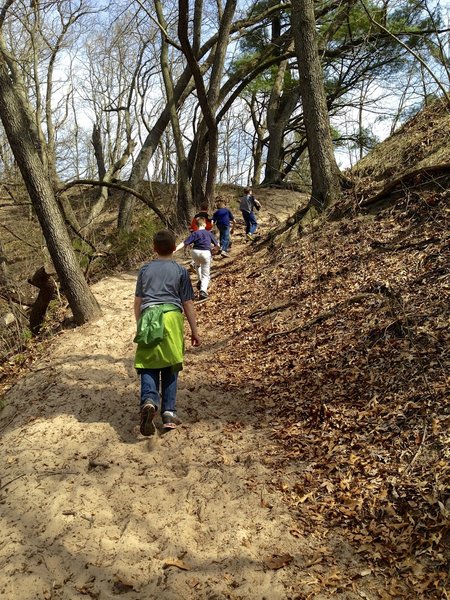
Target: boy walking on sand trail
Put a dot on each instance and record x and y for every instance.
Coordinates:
(202, 241)
(163, 292)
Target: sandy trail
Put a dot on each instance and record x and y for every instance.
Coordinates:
(90, 508)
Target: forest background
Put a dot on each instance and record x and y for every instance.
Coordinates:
(119, 118)
(117, 94)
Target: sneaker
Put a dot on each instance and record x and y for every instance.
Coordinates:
(170, 420)
(224, 254)
(202, 295)
(148, 412)
(250, 237)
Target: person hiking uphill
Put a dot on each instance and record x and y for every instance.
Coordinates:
(203, 214)
(224, 219)
(202, 241)
(163, 292)
(247, 205)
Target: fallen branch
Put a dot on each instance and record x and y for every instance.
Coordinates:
(19, 238)
(323, 316)
(268, 311)
(387, 247)
(11, 297)
(12, 480)
(38, 475)
(419, 450)
(400, 180)
(123, 188)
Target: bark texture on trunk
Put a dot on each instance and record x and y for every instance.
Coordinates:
(184, 200)
(47, 291)
(17, 118)
(324, 170)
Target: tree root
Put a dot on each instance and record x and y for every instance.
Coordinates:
(400, 180)
(268, 311)
(323, 316)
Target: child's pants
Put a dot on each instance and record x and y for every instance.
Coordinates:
(251, 225)
(150, 382)
(224, 231)
(202, 264)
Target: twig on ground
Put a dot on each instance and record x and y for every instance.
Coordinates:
(266, 311)
(414, 458)
(323, 316)
(38, 475)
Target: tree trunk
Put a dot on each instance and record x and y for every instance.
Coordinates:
(98, 151)
(324, 170)
(17, 117)
(184, 191)
(105, 175)
(208, 100)
(182, 89)
(279, 112)
(274, 128)
(258, 140)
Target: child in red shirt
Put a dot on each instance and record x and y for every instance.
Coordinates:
(203, 214)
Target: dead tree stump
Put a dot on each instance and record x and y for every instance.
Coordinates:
(47, 291)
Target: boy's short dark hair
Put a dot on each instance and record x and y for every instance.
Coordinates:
(246, 190)
(204, 206)
(164, 242)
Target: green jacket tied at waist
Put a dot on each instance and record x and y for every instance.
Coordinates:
(150, 327)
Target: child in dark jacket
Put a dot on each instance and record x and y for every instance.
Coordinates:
(202, 241)
(224, 219)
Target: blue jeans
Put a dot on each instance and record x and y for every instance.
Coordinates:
(251, 224)
(224, 231)
(150, 388)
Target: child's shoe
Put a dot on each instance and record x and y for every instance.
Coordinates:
(170, 420)
(250, 237)
(224, 254)
(148, 412)
(202, 295)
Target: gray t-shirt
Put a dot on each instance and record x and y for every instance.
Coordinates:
(163, 281)
(247, 203)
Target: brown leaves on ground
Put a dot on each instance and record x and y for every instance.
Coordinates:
(277, 561)
(356, 400)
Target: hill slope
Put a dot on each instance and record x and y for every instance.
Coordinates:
(313, 462)
(421, 142)
(314, 457)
